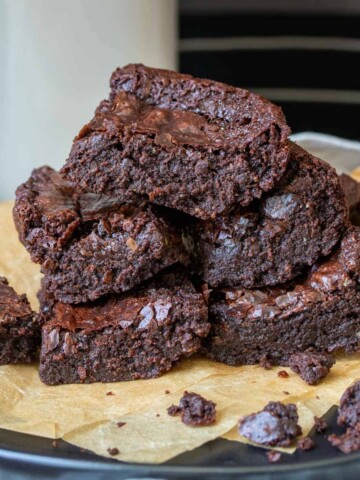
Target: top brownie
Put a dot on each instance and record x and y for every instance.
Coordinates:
(192, 144)
(91, 245)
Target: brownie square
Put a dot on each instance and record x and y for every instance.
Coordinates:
(90, 245)
(140, 334)
(320, 312)
(19, 327)
(277, 238)
(191, 144)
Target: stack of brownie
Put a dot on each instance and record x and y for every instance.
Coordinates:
(184, 221)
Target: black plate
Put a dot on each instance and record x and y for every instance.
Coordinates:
(26, 456)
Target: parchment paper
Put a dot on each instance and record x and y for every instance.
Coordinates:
(86, 416)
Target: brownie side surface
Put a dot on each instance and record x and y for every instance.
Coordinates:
(91, 245)
(276, 239)
(19, 327)
(319, 313)
(141, 334)
(191, 144)
(351, 190)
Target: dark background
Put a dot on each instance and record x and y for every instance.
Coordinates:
(305, 56)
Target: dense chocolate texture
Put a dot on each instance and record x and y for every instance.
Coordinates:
(349, 409)
(191, 144)
(91, 245)
(194, 409)
(19, 327)
(306, 444)
(275, 425)
(320, 312)
(351, 189)
(274, 240)
(348, 442)
(141, 334)
(320, 424)
(311, 366)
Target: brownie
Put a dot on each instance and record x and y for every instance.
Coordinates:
(349, 409)
(91, 245)
(311, 366)
(277, 238)
(139, 334)
(275, 425)
(320, 311)
(191, 144)
(348, 442)
(351, 189)
(19, 327)
(194, 409)
(273, 456)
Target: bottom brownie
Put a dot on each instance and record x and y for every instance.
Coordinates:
(321, 313)
(19, 327)
(141, 334)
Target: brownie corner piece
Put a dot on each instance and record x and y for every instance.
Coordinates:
(141, 334)
(19, 327)
(92, 245)
(191, 144)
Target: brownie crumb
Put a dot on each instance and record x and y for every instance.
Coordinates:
(273, 456)
(110, 393)
(158, 414)
(265, 363)
(286, 392)
(320, 424)
(55, 444)
(348, 442)
(167, 392)
(120, 424)
(276, 424)
(317, 397)
(311, 366)
(194, 410)
(283, 374)
(306, 444)
(349, 409)
(113, 451)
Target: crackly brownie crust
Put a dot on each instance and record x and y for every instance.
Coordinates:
(141, 334)
(91, 245)
(321, 312)
(351, 189)
(276, 239)
(191, 144)
(19, 327)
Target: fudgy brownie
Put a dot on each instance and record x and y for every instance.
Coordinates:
(91, 245)
(274, 240)
(311, 366)
(140, 334)
(275, 425)
(320, 312)
(19, 327)
(351, 189)
(349, 408)
(194, 409)
(187, 143)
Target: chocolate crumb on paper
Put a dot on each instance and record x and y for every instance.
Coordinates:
(120, 424)
(109, 393)
(283, 374)
(113, 451)
(194, 409)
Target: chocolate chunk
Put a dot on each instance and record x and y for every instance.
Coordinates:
(276, 424)
(311, 366)
(349, 409)
(194, 410)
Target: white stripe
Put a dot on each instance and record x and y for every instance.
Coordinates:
(269, 43)
(310, 95)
